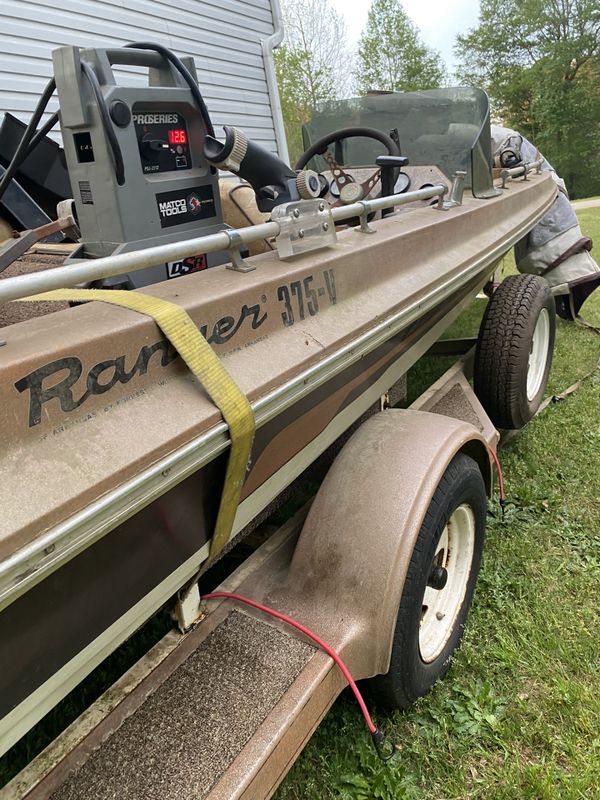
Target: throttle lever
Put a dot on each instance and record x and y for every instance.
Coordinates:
(387, 164)
(392, 161)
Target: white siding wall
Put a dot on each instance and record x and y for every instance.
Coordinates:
(223, 36)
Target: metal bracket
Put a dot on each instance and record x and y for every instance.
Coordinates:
(457, 190)
(187, 609)
(364, 221)
(533, 166)
(235, 244)
(441, 203)
(304, 225)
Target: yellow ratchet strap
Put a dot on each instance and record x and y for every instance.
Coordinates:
(233, 404)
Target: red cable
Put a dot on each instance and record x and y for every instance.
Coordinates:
(500, 479)
(323, 645)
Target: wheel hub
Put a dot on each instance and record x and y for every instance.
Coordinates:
(447, 583)
(438, 578)
(538, 355)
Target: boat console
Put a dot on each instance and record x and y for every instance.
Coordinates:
(448, 129)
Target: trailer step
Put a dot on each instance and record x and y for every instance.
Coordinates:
(220, 712)
(184, 737)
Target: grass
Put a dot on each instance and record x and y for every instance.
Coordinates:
(518, 716)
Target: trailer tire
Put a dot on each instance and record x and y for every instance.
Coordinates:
(423, 641)
(514, 350)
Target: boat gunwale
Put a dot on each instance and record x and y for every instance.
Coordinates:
(229, 239)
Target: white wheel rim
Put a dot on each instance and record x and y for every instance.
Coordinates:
(538, 355)
(440, 608)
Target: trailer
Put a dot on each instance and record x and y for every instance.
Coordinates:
(224, 709)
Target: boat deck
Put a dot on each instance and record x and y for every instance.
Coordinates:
(37, 259)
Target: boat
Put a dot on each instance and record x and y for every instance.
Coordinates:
(114, 457)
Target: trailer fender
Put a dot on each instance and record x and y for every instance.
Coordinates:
(347, 572)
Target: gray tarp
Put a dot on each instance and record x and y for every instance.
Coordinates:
(555, 247)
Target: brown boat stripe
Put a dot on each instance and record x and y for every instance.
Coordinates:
(286, 435)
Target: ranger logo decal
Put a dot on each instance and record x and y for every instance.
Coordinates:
(69, 389)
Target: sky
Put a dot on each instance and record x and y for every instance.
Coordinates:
(438, 20)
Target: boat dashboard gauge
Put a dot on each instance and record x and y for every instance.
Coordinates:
(402, 183)
(323, 185)
(334, 189)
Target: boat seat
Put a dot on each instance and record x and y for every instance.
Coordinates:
(238, 204)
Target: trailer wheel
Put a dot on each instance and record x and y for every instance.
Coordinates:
(439, 587)
(514, 350)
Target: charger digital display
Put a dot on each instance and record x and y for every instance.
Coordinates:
(163, 140)
(177, 136)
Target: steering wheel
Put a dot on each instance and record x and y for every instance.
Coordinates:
(340, 178)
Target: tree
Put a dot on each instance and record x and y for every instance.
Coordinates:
(540, 62)
(391, 55)
(312, 64)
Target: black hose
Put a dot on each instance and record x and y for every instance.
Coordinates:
(39, 135)
(185, 74)
(22, 150)
(89, 73)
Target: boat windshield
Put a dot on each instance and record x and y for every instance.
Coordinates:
(448, 128)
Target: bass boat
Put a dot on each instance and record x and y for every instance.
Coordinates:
(118, 430)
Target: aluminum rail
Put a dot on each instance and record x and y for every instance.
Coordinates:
(95, 269)
(370, 206)
(522, 169)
